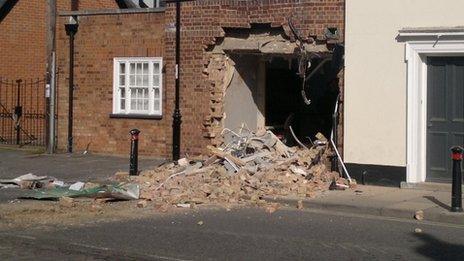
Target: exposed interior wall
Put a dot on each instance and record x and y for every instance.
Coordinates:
(245, 96)
(240, 105)
(375, 77)
(99, 40)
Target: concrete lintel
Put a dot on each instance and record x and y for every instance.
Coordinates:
(113, 11)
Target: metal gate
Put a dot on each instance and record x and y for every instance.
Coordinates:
(22, 112)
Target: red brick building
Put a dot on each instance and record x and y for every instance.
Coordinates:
(125, 70)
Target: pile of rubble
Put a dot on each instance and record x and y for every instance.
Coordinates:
(246, 168)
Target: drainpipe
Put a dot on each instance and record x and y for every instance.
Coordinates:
(51, 123)
(71, 30)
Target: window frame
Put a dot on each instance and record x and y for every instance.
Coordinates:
(117, 111)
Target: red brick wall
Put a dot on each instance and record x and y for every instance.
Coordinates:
(23, 37)
(22, 44)
(202, 22)
(100, 39)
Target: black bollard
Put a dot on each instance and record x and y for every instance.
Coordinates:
(456, 193)
(134, 154)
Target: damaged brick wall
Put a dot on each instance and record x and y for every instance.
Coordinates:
(218, 75)
(202, 23)
(100, 39)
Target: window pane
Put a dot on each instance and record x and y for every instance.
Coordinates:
(145, 93)
(156, 105)
(139, 104)
(157, 93)
(145, 105)
(132, 68)
(145, 80)
(122, 91)
(133, 103)
(122, 80)
(138, 82)
(145, 68)
(132, 80)
(156, 68)
(139, 68)
(122, 68)
(156, 80)
(123, 104)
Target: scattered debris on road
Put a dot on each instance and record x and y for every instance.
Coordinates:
(419, 215)
(121, 191)
(30, 181)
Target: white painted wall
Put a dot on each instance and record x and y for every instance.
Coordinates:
(375, 76)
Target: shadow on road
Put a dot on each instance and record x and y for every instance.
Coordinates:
(436, 249)
(438, 202)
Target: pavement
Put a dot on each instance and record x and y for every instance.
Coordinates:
(65, 167)
(434, 201)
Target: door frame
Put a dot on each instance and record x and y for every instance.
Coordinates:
(418, 48)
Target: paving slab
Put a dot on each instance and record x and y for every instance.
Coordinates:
(65, 167)
(383, 201)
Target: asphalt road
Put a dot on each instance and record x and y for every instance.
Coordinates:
(245, 234)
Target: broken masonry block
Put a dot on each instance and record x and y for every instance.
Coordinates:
(142, 204)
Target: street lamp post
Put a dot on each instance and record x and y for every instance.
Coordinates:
(177, 116)
(71, 29)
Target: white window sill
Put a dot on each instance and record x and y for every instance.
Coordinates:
(136, 116)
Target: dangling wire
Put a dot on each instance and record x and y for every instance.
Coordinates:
(303, 61)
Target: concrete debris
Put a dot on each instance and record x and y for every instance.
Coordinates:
(31, 181)
(338, 186)
(121, 176)
(184, 205)
(183, 162)
(66, 202)
(121, 191)
(77, 186)
(142, 204)
(300, 204)
(419, 215)
(271, 208)
(242, 170)
(200, 223)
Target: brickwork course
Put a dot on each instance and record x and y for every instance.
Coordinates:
(103, 37)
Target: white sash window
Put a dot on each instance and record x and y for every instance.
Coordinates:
(138, 86)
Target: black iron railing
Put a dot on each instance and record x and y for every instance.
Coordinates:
(22, 112)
